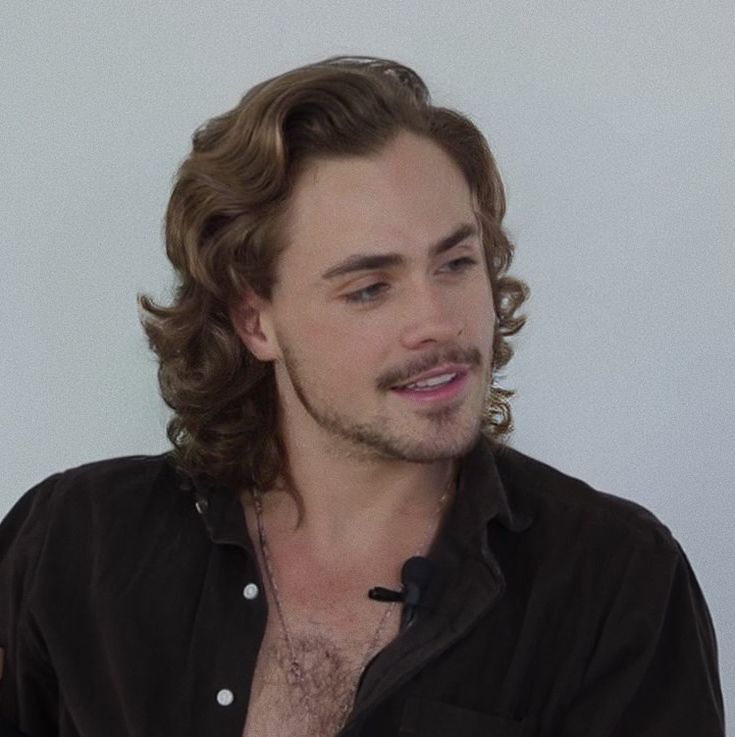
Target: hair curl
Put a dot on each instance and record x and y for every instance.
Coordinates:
(224, 231)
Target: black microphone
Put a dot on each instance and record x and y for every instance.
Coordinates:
(415, 576)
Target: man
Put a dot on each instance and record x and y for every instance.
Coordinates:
(341, 542)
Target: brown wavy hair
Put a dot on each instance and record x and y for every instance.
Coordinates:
(225, 230)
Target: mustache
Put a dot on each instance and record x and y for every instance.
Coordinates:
(470, 356)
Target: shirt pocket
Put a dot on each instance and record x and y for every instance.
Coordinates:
(426, 718)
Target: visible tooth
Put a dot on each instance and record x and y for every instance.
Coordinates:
(433, 381)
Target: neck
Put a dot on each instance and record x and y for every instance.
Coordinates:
(352, 506)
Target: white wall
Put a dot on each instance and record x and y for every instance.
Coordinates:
(612, 123)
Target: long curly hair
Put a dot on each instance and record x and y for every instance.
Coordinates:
(224, 231)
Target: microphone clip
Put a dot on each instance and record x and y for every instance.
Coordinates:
(415, 576)
(379, 593)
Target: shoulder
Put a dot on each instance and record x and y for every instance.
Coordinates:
(100, 517)
(564, 505)
(125, 472)
(127, 478)
(606, 584)
(592, 547)
(85, 497)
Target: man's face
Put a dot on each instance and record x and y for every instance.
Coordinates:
(367, 301)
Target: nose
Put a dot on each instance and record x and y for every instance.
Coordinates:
(432, 316)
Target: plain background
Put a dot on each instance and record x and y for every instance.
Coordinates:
(613, 126)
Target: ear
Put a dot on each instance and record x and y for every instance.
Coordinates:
(251, 318)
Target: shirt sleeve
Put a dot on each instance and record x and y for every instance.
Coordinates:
(28, 690)
(654, 670)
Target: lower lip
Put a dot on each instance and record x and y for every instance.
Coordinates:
(442, 393)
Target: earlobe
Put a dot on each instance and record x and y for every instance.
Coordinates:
(251, 323)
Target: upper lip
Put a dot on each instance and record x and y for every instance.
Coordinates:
(447, 368)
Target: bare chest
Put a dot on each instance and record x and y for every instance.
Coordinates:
(313, 697)
(304, 683)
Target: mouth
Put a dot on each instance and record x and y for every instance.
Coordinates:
(439, 388)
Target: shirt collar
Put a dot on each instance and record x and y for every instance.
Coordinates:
(482, 497)
(488, 497)
(218, 505)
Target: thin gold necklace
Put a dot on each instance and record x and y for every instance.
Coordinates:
(295, 672)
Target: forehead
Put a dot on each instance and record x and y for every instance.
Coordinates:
(405, 197)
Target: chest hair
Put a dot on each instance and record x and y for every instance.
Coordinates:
(332, 668)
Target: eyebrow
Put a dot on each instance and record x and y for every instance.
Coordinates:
(367, 262)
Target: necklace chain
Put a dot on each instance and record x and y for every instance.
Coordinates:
(295, 673)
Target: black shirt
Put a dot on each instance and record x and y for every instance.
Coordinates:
(131, 603)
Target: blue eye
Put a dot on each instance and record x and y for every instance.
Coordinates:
(367, 294)
(462, 263)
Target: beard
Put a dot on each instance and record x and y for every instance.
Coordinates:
(445, 432)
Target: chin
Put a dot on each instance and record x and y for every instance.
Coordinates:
(439, 445)
(443, 450)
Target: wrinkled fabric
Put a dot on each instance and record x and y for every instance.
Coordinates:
(554, 609)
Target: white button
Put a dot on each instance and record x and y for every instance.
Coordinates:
(250, 591)
(225, 697)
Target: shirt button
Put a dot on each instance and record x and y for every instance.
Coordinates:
(250, 591)
(225, 697)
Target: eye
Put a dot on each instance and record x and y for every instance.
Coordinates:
(367, 294)
(461, 264)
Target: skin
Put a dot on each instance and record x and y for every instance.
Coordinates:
(370, 464)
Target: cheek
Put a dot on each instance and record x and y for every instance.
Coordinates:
(345, 349)
(480, 316)
(346, 333)
(346, 371)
